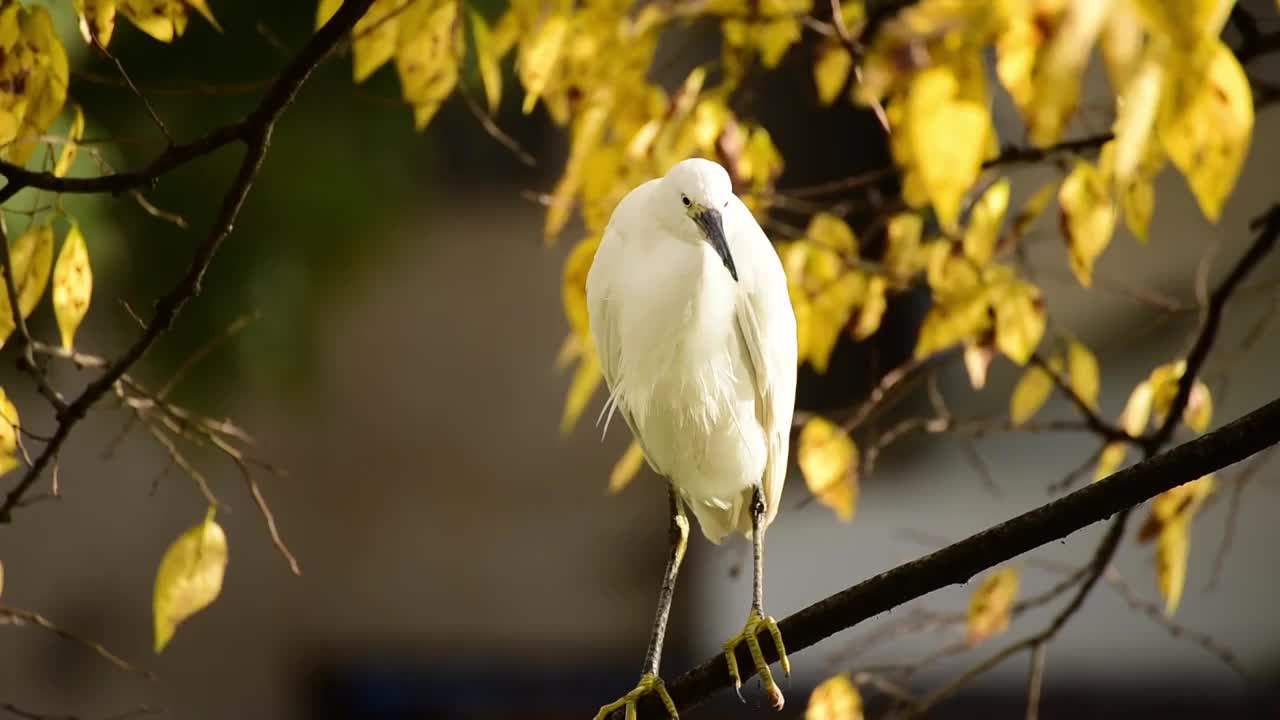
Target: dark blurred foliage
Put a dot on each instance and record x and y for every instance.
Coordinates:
(344, 165)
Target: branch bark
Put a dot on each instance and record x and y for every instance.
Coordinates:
(955, 564)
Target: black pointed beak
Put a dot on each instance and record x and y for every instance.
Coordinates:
(712, 226)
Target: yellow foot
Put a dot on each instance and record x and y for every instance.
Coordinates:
(648, 684)
(755, 623)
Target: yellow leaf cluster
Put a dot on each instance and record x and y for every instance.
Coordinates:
(31, 259)
(189, 578)
(1041, 53)
(33, 78)
(163, 20)
(828, 459)
(928, 62)
(972, 301)
(835, 698)
(424, 39)
(1153, 398)
(828, 286)
(764, 30)
(991, 604)
(8, 434)
(1181, 96)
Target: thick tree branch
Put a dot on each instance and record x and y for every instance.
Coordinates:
(255, 132)
(957, 563)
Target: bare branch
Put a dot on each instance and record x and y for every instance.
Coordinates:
(1035, 680)
(18, 616)
(255, 132)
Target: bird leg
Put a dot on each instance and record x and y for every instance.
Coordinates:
(649, 680)
(757, 621)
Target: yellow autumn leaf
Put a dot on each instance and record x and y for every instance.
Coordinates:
(835, 698)
(985, 220)
(1164, 381)
(902, 256)
(991, 604)
(1179, 504)
(1199, 412)
(72, 285)
(165, 20)
(828, 459)
(486, 59)
(1139, 104)
(538, 56)
(952, 318)
(1206, 123)
(1032, 210)
(72, 146)
(625, 469)
(1088, 218)
(1112, 455)
(325, 10)
(1031, 392)
(1139, 203)
(1185, 22)
(1020, 319)
(977, 360)
(428, 50)
(585, 381)
(97, 20)
(831, 70)
(8, 434)
(189, 578)
(573, 285)
(373, 39)
(1121, 44)
(1137, 410)
(1083, 373)
(31, 258)
(585, 136)
(873, 306)
(1172, 549)
(946, 132)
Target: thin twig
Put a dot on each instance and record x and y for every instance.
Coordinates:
(124, 75)
(1035, 680)
(254, 131)
(18, 616)
(1233, 512)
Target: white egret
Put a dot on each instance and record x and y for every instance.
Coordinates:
(697, 341)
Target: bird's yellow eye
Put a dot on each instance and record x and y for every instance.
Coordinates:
(685, 199)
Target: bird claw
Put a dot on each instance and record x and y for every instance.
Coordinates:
(649, 683)
(755, 623)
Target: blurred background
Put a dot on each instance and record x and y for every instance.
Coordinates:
(460, 557)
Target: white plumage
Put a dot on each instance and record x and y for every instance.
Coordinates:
(701, 365)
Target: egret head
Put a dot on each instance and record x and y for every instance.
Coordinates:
(692, 197)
